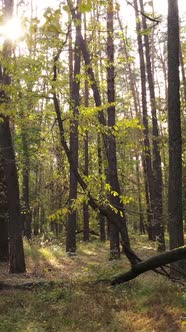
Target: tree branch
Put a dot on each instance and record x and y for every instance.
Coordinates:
(151, 264)
(155, 20)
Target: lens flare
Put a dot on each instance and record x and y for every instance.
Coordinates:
(12, 30)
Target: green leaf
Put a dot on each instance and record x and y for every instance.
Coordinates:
(85, 6)
(114, 193)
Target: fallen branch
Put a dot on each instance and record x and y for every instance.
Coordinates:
(151, 264)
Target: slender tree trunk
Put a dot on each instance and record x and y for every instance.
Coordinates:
(111, 141)
(141, 219)
(175, 137)
(100, 172)
(35, 211)
(133, 88)
(35, 215)
(25, 188)
(157, 173)
(183, 73)
(71, 223)
(3, 217)
(85, 205)
(147, 149)
(100, 147)
(86, 158)
(148, 205)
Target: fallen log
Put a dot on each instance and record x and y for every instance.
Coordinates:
(151, 264)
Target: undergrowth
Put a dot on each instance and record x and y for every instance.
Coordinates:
(77, 299)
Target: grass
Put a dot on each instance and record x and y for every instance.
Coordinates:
(77, 303)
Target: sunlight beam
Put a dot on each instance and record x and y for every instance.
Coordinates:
(12, 30)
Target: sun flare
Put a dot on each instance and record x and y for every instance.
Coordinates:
(12, 30)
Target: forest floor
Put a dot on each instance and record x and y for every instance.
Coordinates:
(68, 294)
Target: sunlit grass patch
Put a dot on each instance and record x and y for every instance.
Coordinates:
(89, 307)
(47, 253)
(78, 299)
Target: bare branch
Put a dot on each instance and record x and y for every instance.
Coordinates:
(152, 19)
(152, 264)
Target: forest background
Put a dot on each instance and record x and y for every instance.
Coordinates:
(92, 165)
(84, 118)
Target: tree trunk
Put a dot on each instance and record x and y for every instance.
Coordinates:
(175, 137)
(26, 216)
(141, 218)
(157, 173)
(86, 158)
(97, 98)
(35, 214)
(183, 73)
(16, 252)
(3, 217)
(148, 173)
(85, 205)
(112, 176)
(137, 108)
(100, 172)
(71, 222)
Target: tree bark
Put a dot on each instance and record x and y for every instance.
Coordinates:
(86, 157)
(74, 93)
(148, 173)
(157, 208)
(3, 216)
(100, 172)
(16, 252)
(175, 138)
(112, 175)
(26, 216)
(85, 205)
(183, 73)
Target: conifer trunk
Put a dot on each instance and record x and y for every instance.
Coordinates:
(26, 216)
(147, 161)
(86, 158)
(175, 138)
(157, 203)
(3, 216)
(111, 141)
(74, 95)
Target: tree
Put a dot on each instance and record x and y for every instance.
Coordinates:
(109, 69)
(112, 176)
(26, 216)
(86, 161)
(157, 207)
(75, 101)
(146, 158)
(109, 144)
(16, 252)
(3, 216)
(175, 137)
